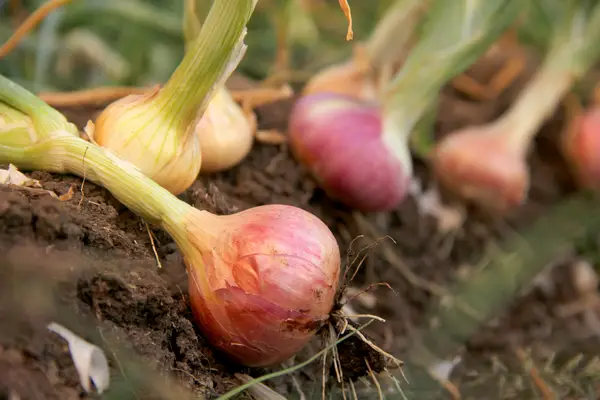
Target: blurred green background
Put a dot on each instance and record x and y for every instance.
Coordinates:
(90, 43)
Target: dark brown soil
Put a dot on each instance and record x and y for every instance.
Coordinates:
(98, 258)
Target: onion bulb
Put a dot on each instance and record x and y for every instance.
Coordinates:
(480, 165)
(487, 164)
(266, 280)
(225, 132)
(359, 77)
(356, 157)
(581, 146)
(156, 131)
(261, 281)
(357, 149)
(135, 128)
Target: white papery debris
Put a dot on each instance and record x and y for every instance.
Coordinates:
(585, 278)
(349, 312)
(12, 176)
(443, 369)
(89, 359)
(429, 203)
(259, 390)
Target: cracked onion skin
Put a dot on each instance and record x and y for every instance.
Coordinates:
(582, 148)
(271, 278)
(340, 140)
(481, 167)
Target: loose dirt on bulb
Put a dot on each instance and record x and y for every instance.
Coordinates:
(98, 259)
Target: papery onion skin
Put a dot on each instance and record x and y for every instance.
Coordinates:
(340, 141)
(272, 273)
(134, 129)
(481, 167)
(226, 134)
(582, 148)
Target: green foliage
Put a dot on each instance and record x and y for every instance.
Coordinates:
(138, 42)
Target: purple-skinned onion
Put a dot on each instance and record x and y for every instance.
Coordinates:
(345, 145)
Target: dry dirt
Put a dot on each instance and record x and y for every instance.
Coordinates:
(96, 258)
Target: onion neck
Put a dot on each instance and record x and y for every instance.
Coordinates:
(191, 23)
(60, 152)
(396, 141)
(571, 54)
(68, 154)
(209, 60)
(46, 119)
(536, 104)
(408, 97)
(389, 41)
(140, 194)
(540, 97)
(470, 27)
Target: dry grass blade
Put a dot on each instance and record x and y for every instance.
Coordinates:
(95, 96)
(539, 383)
(31, 22)
(496, 283)
(103, 95)
(390, 255)
(375, 381)
(348, 14)
(336, 358)
(232, 393)
(260, 391)
(353, 389)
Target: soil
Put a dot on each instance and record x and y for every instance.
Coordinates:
(96, 259)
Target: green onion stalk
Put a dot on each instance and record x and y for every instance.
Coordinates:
(487, 164)
(371, 166)
(224, 130)
(155, 130)
(261, 281)
(373, 61)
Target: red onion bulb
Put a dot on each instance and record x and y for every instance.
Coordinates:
(268, 283)
(582, 148)
(480, 164)
(342, 142)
